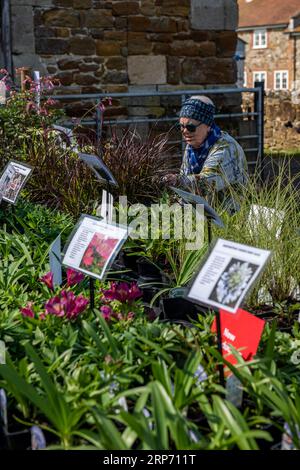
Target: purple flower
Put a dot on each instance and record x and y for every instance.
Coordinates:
(48, 280)
(122, 292)
(130, 316)
(67, 305)
(74, 277)
(27, 311)
(134, 292)
(107, 312)
(54, 306)
(80, 305)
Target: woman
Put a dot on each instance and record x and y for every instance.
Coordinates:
(213, 162)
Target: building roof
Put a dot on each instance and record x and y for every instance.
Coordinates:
(266, 12)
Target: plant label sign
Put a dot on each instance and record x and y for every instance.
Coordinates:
(191, 198)
(2, 352)
(13, 179)
(243, 331)
(2, 92)
(227, 275)
(98, 167)
(93, 245)
(234, 391)
(270, 219)
(55, 261)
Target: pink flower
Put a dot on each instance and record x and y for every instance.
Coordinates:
(30, 106)
(55, 307)
(123, 292)
(50, 102)
(130, 315)
(74, 277)
(67, 305)
(134, 292)
(27, 311)
(117, 291)
(107, 312)
(80, 305)
(48, 280)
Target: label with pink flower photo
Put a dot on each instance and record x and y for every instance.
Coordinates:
(13, 179)
(93, 246)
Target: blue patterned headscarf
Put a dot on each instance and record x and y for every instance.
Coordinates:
(196, 109)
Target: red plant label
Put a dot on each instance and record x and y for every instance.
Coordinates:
(242, 330)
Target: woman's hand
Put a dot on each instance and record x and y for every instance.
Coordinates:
(171, 179)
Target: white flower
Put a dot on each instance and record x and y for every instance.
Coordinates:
(233, 282)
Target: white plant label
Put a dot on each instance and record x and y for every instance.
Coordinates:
(227, 275)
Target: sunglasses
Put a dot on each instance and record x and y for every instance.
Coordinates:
(188, 127)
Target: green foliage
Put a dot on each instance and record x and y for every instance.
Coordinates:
(281, 276)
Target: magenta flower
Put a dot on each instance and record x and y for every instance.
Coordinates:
(118, 291)
(28, 311)
(134, 292)
(67, 305)
(74, 277)
(130, 316)
(54, 306)
(122, 292)
(107, 312)
(48, 280)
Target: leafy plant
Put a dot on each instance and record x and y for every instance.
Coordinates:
(138, 164)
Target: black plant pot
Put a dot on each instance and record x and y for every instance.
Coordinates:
(148, 294)
(179, 308)
(20, 440)
(276, 434)
(148, 270)
(130, 261)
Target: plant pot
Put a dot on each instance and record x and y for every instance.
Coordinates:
(179, 308)
(148, 270)
(130, 261)
(148, 294)
(19, 440)
(276, 434)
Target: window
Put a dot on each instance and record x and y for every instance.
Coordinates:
(245, 79)
(259, 38)
(281, 80)
(260, 77)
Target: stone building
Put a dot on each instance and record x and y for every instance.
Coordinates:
(270, 30)
(114, 46)
(269, 40)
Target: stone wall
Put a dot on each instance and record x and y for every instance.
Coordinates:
(94, 45)
(282, 121)
(129, 46)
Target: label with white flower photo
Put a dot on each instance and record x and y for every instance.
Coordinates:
(93, 246)
(227, 275)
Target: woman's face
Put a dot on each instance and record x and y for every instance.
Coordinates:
(195, 139)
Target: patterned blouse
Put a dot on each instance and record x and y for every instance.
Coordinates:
(225, 167)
